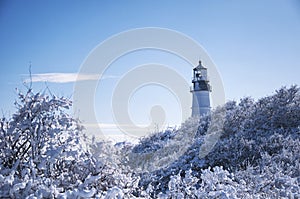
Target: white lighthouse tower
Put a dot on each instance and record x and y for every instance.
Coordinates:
(201, 91)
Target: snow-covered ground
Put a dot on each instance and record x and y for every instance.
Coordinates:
(246, 149)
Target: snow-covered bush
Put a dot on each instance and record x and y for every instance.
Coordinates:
(41, 143)
(251, 129)
(248, 149)
(219, 183)
(117, 178)
(44, 154)
(278, 174)
(181, 187)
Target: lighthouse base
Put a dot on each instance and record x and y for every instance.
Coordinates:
(201, 103)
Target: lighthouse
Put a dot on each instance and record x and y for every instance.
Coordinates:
(201, 91)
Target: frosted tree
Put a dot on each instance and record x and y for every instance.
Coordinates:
(42, 140)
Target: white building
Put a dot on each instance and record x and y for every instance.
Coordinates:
(201, 91)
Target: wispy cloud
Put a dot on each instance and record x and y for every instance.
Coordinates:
(64, 77)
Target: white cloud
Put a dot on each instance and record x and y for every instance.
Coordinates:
(64, 77)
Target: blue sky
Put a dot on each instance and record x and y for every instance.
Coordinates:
(254, 44)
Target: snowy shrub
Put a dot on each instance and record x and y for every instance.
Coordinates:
(116, 177)
(215, 183)
(219, 183)
(251, 129)
(277, 175)
(42, 144)
(181, 187)
(45, 154)
(245, 149)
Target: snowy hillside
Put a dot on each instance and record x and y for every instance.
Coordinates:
(246, 149)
